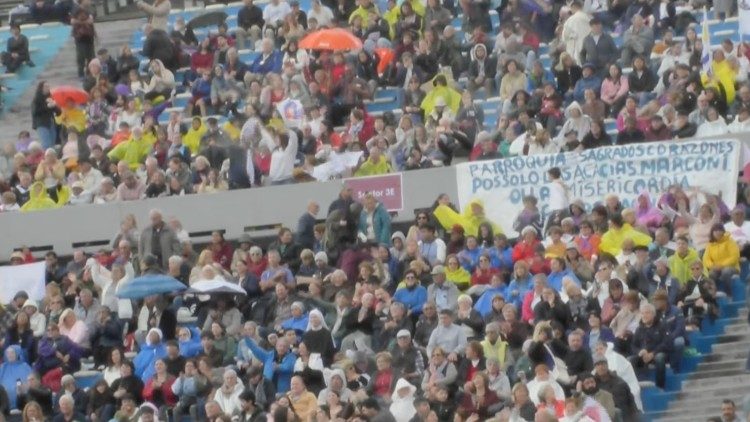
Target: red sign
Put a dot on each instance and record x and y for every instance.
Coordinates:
(386, 189)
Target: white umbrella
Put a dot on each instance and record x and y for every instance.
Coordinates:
(216, 285)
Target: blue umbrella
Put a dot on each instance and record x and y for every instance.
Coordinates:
(147, 285)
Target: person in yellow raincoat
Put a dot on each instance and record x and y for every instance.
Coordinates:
(470, 219)
(363, 11)
(72, 117)
(39, 198)
(192, 139)
(441, 89)
(723, 75)
(133, 151)
(618, 231)
(375, 164)
(457, 274)
(232, 130)
(391, 17)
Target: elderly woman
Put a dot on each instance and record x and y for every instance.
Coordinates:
(468, 319)
(626, 321)
(75, 329)
(298, 321)
(51, 170)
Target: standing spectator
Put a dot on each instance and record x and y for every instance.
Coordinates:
(157, 13)
(84, 34)
(599, 48)
(43, 109)
(249, 25)
(374, 221)
(306, 225)
(159, 240)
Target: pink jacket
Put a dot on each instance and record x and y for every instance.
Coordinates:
(611, 91)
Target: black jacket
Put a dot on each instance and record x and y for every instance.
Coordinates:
(601, 54)
(250, 16)
(644, 83)
(158, 45)
(650, 338)
(621, 395)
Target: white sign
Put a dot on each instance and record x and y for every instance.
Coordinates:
(27, 277)
(627, 171)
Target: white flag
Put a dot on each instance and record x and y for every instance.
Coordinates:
(743, 6)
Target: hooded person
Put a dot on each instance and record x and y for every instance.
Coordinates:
(646, 214)
(12, 370)
(152, 350)
(482, 68)
(39, 198)
(335, 381)
(575, 121)
(713, 126)
(299, 320)
(451, 98)
(317, 337)
(37, 320)
(619, 231)
(470, 219)
(190, 344)
(402, 401)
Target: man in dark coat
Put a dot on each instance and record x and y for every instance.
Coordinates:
(599, 49)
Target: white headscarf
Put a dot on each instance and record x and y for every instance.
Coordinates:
(402, 408)
(322, 321)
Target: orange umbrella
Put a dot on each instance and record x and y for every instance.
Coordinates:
(331, 39)
(385, 56)
(62, 95)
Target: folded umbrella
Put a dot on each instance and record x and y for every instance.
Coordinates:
(147, 285)
(215, 286)
(64, 95)
(331, 39)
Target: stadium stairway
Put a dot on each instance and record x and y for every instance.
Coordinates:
(717, 372)
(45, 41)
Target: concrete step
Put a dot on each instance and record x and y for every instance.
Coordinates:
(726, 355)
(735, 364)
(716, 381)
(730, 347)
(689, 411)
(738, 329)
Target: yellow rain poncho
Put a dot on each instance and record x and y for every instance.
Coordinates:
(72, 118)
(364, 13)
(460, 277)
(721, 72)
(40, 200)
(469, 219)
(613, 238)
(133, 151)
(232, 131)
(368, 168)
(451, 96)
(391, 16)
(192, 139)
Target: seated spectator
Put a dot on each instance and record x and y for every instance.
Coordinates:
(16, 51)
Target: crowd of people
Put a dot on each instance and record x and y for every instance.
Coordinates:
(236, 130)
(354, 320)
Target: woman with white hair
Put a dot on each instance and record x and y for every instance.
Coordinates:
(468, 318)
(317, 337)
(298, 321)
(51, 170)
(75, 329)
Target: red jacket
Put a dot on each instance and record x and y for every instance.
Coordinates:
(164, 393)
(223, 255)
(524, 251)
(483, 276)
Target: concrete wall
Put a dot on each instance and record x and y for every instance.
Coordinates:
(235, 212)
